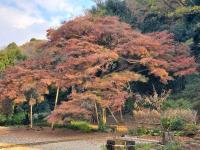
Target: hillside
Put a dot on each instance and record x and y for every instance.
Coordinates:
(33, 47)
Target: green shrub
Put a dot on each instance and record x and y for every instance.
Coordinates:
(2, 119)
(166, 123)
(33, 39)
(174, 104)
(173, 123)
(18, 118)
(177, 124)
(80, 125)
(190, 129)
(129, 105)
(176, 119)
(179, 133)
(144, 131)
(155, 132)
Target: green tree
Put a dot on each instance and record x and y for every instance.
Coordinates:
(10, 55)
(114, 8)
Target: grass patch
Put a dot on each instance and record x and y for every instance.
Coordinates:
(172, 146)
(144, 131)
(80, 125)
(145, 146)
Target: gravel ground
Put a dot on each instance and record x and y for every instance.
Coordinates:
(73, 145)
(60, 139)
(45, 139)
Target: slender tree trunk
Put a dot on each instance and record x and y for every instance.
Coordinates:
(56, 101)
(13, 108)
(96, 110)
(113, 115)
(104, 116)
(31, 116)
(121, 115)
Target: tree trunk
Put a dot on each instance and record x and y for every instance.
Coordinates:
(96, 110)
(113, 116)
(56, 101)
(104, 116)
(31, 116)
(121, 115)
(167, 137)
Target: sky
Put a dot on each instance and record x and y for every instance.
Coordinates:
(21, 20)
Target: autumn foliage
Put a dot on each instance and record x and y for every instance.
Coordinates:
(97, 58)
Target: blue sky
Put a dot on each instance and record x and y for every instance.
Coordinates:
(20, 20)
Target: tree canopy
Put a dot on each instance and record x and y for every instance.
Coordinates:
(97, 57)
(10, 55)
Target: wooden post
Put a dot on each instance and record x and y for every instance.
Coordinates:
(31, 116)
(113, 116)
(96, 110)
(56, 101)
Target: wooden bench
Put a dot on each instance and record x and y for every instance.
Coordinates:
(120, 144)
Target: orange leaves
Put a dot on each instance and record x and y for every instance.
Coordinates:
(20, 99)
(99, 56)
(84, 38)
(46, 81)
(177, 55)
(32, 101)
(159, 72)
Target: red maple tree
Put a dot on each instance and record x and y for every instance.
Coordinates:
(98, 57)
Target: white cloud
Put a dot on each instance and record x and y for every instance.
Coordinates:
(19, 27)
(56, 5)
(17, 18)
(21, 19)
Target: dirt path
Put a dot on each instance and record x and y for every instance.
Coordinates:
(45, 139)
(59, 139)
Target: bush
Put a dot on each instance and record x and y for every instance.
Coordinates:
(174, 104)
(144, 131)
(177, 119)
(17, 119)
(179, 133)
(190, 129)
(2, 119)
(177, 124)
(170, 124)
(155, 132)
(80, 125)
(33, 39)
